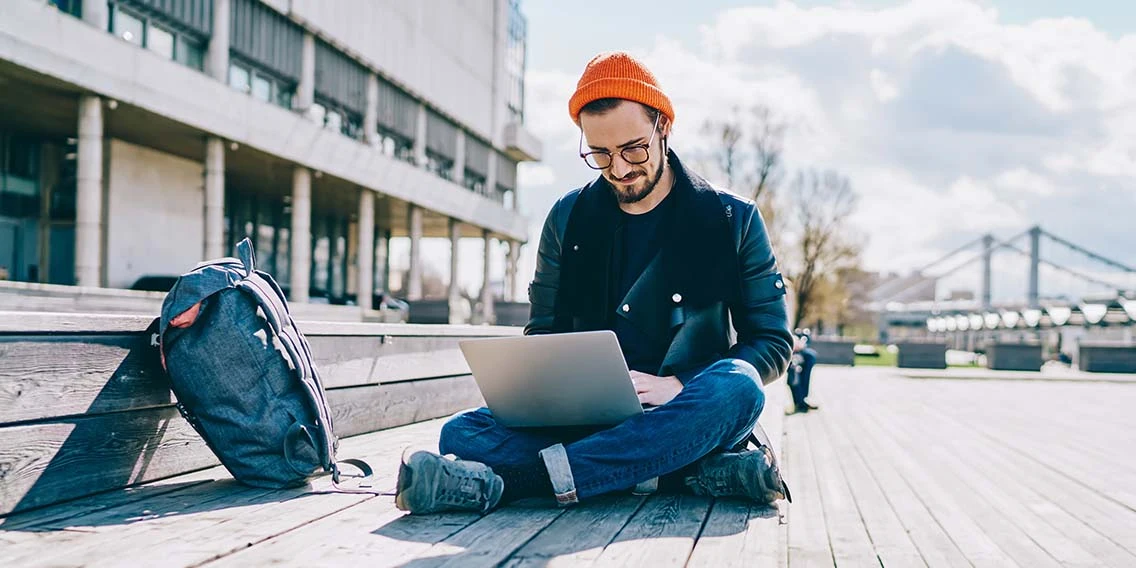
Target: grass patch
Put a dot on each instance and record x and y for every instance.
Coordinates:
(884, 359)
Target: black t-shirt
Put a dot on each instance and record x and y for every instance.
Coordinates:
(638, 242)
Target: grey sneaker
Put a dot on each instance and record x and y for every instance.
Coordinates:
(751, 474)
(430, 483)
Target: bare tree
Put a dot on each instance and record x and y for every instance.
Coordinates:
(726, 136)
(822, 203)
(766, 139)
(747, 148)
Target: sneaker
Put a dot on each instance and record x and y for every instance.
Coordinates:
(430, 483)
(750, 474)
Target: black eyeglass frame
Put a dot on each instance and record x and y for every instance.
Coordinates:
(622, 153)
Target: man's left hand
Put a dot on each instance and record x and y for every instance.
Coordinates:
(655, 391)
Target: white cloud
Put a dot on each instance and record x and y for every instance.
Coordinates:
(529, 174)
(1025, 181)
(883, 86)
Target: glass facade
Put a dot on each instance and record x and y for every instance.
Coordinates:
(515, 60)
(139, 29)
(37, 209)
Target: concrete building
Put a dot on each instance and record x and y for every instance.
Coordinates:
(138, 137)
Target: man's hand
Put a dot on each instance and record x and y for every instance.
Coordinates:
(655, 391)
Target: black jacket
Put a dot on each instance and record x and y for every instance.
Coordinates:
(715, 264)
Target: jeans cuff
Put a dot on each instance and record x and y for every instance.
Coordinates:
(647, 487)
(560, 473)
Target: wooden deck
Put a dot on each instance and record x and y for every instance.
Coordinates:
(892, 471)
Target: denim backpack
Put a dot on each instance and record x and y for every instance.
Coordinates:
(243, 375)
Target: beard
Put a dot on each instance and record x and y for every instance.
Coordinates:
(633, 194)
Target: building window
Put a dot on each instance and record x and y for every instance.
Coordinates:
(439, 165)
(239, 78)
(262, 88)
(73, 7)
(189, 53)
(338, 119)
(515, 61)
(127, 26)
(160, 41)
(396, 146)
(474, 182)
(260, 85)
(166, 42)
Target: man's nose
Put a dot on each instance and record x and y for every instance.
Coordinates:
(619, 166)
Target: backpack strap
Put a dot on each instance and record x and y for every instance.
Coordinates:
(760, 439)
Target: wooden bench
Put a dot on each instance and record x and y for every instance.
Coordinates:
(922, 355)
(85, 408)
(1106, 356)
(99, 469)
(1013, 356)
(834, 351)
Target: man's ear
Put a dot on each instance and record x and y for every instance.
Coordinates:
(664, 125)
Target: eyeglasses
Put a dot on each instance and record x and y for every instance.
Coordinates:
(634, 155)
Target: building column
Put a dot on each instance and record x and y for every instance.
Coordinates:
(455, 292)
(89, 228)
(486, 292)
(420, 136)
(414, 277)
(301, 262)
(511, 271)
(214, 197)
(459, 158)
(217, 57)
(365, 271)
(306, 89)
(97, 13)
(371, 114)
(491, 173)
(382, 260)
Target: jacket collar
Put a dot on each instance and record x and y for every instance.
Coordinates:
(698, 259)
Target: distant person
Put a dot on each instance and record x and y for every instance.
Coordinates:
(801, 371)
(652, 252)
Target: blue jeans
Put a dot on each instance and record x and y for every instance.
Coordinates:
(715, 411)
(799, 381)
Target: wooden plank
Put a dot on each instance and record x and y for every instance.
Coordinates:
(48, 463)
(662, 533)
(51, 462)
(847, 533)
(1007, 533)
(808, 542)
(959, 523)
(739, 533)
(373, 533)
(44, 376)
(51, 376)
(953, 453)
(903, 531)
(1077, 513)
(210, 521)
(579, 535)
(345, 360)
(491, 539)
(366, 409)
(46, 322)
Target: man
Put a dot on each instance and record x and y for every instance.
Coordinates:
(801, 372)
(652, 252)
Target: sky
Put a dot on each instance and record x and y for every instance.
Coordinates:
(951, 118)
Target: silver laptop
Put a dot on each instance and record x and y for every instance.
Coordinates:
(564, 379)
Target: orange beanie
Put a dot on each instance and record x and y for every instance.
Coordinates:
(620, 76)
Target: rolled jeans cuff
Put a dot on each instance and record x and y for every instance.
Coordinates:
(560, 473)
